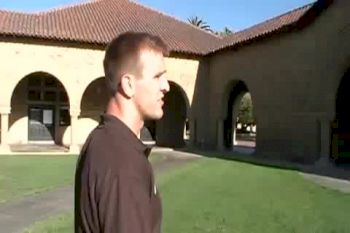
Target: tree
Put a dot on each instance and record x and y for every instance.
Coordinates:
(196, 21)
(245, 114)
(225, 32)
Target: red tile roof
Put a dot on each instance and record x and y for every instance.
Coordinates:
(99, 21)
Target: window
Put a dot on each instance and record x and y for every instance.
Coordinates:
(50, 96)
(50, 82)
(46, 89)
(34, 82)
(34, 95)
(63, 97)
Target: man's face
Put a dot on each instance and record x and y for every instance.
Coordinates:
(151, 87)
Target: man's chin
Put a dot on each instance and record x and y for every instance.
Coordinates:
(155, 116)
(158, 117)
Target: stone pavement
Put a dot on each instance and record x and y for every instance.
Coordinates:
(16, 216)
(327, 174)
(329, 182)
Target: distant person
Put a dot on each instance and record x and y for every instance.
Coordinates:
(115, 189)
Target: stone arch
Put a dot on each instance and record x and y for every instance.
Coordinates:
(233, 96)
(92, 105)
(39, 110)
(341, 124)
(23, 74)
(170, 129)
(94, 99)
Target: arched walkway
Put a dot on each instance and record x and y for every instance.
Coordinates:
(170, 129)
(341, 124)
(93, 104)
(94, 100)
(239, 123)
(39, 110)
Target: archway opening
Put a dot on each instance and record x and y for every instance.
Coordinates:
(240, 122)
(148, 132)
(340, 151)
(170, 131)
(93, 105)
(94, 100)
(39, 110)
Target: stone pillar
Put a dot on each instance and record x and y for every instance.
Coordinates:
(234, 119)
(4, 146)
(74, 146)
(234, 134)
(220, 134)
(192, 123)
(325, 139)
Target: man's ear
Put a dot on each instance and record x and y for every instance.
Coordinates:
(127, 85)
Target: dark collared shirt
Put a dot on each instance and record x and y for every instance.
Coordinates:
(114, 187)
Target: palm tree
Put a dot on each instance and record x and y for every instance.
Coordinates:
(225, 32)
(196, 21)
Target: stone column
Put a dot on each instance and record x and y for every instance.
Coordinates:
(74, 146)
(220, 134)
(192, 123)
(234, 134)
(4, 146)
(325, 139)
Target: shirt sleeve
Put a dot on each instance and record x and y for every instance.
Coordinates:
(123, 204)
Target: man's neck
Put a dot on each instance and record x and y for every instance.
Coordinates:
(127, 115)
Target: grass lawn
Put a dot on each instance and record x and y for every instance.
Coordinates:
(219, 196)
(29, 174)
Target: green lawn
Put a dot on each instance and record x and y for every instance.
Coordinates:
(29, 174)
(61, 223)
(220, 196)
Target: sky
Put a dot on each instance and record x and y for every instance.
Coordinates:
(233, 14)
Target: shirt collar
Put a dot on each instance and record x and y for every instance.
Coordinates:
(126, 133)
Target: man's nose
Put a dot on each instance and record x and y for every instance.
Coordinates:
(165, 87)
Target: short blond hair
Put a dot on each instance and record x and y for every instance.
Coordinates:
(123, 53)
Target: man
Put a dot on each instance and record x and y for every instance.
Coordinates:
(115, 189)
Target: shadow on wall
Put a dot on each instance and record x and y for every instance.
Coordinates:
(84, 127)
(18, 119)
(94, 100)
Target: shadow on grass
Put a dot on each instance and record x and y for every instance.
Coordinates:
(323, 167)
